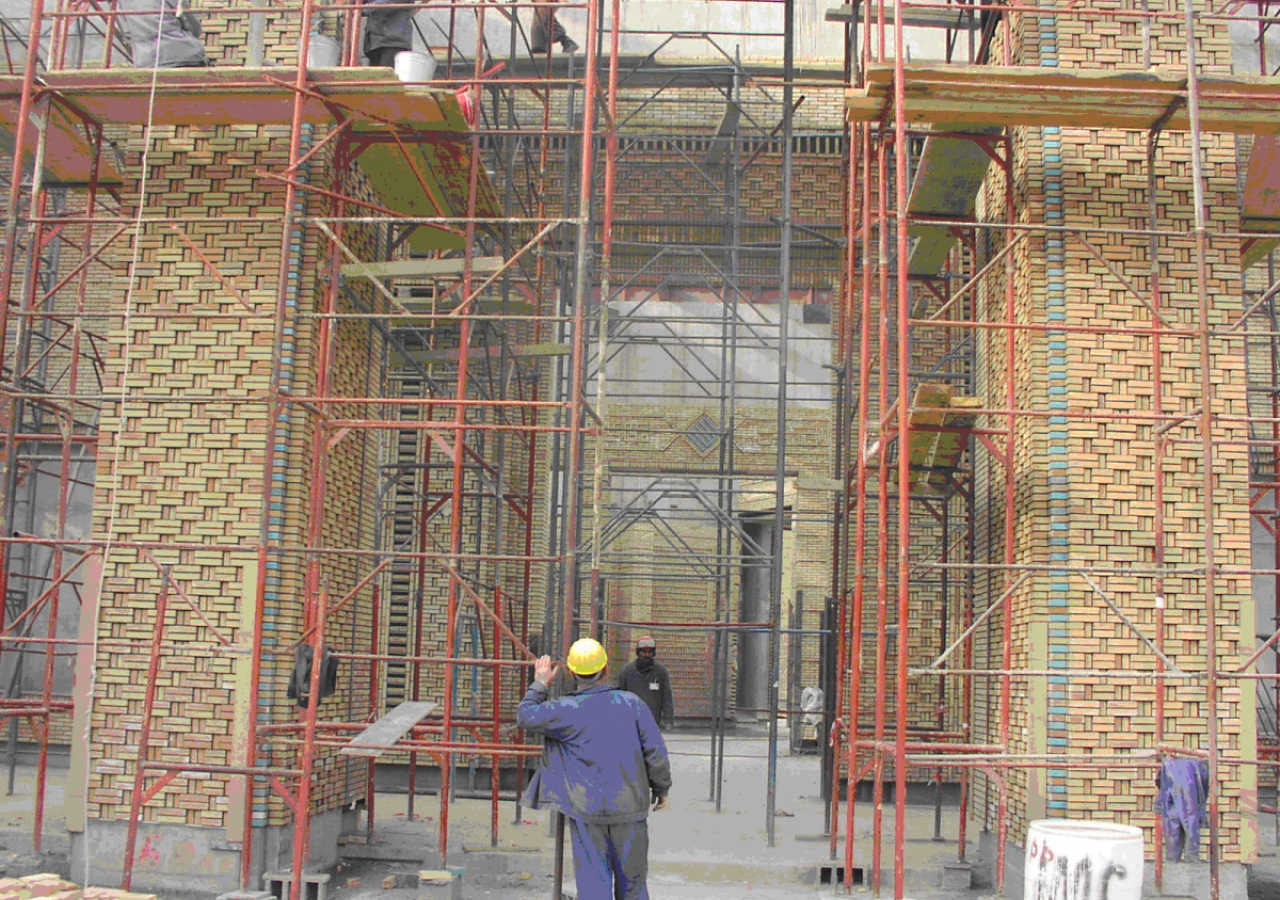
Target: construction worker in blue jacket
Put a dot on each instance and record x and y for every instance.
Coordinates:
(604, 764)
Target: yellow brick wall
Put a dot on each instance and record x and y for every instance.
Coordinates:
(642, 435)
(1094, 478)
(182, 463)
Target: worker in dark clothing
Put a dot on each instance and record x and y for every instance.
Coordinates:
(604, 764)
(547, 30)
(163, 38)
(387, 31)
(649, 680)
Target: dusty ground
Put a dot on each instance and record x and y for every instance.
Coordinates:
(696, 853)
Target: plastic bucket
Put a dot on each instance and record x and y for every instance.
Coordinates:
(414, 66)
(323, 52)
(1080, 860)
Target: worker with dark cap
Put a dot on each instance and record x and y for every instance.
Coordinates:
(649, 680)
(604, 764)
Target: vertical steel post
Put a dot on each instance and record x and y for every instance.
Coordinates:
(606, 260)
(904, 456)
(860, 493)
(306, 762)
(581, 296)
(843, 471)
(31, 285)
(1206, 445)
(375, 683)
(144, 733)
(780, 460)
(1161, 441)
(882, 511)
(419, 597)
(7, 263)
(495, 764)
(459, 456)
(275, 411)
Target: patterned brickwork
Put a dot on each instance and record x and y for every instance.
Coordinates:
(1258, 280)
(182, 461)
(933, 702)
(1091, 480)
(645, 432)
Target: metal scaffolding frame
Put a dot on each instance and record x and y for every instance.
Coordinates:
(467, 414)
(464, 389)
(898, 317)
(446, 408)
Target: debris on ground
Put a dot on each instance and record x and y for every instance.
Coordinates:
(53, 887)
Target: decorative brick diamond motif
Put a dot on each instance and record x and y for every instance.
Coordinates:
(703, 434)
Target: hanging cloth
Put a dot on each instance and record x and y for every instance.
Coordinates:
(300, 680)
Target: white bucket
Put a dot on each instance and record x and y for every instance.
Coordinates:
(323, 52)
(412, 66)
(1080, 860)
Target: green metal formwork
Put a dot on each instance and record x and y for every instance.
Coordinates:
(946, 184)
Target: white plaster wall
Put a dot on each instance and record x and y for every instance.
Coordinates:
(1244, 47)
(1264, 588)
(809, 349)
(709, 29)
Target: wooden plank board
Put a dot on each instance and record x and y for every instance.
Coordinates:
(947, 96)
(519, 351)
(483, 307)
(421, 268)
(950, 172)
(67, 155)
(953, 17)
(382, 735)
(1262, 186)
(934, 453)
(432, 181)
(242, 95)
(1254, 252)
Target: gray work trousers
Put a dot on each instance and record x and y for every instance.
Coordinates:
(387, 30)
(162, 39)
(610, 862)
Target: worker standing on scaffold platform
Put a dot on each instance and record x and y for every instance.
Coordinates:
(387, 31)
(603, 764)
(547, 30)
(167, 37)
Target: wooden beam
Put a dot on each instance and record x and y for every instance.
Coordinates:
(943, 17)
(421, 268)
(517, 351)
(383, 734)
(962, 97)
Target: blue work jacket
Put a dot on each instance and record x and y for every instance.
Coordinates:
(603, 756)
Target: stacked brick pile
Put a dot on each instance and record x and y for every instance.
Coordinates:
(53, 887)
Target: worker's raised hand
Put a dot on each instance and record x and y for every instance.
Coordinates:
(544, 670)
(660, 803)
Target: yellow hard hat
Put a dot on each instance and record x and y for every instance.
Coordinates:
(587, 657)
